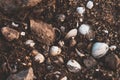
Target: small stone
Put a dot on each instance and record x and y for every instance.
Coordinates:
(90, 4)
(64, 78)
(9, 33)
(43, 32)
(39, 58)
(72, 42)
(31, 43)
(112, 61)
(73, 66)
(23, 75)
(22, 33)
(81, 10)
(89, 62)
(55, 50)
(61, 17)
(99, 49)
(112, 47)
(84, 29)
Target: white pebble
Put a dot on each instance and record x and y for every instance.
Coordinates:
(99, 49)
(113, 47)
(84, 29)
(55, 50)
(22, 33)
(30, 43)
(64, 78)
(106, 31)
(80, 10)
(39, 58)
(90, 4)
(73, 66)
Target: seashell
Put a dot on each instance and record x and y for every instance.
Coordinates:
(112, 48)
(55, 50)
(90, 4)
(9, 33)
(31, 43)
(64, 78)
(99, 49)
(39, 58)
(79, 53)
(80, 10)
(44, 32)
(73, 66)
(71, 33)
(84, 29)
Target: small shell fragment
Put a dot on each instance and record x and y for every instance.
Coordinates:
(39, 58)
(61, 17)
(84, 29)
(112, 48)
(64, 78)
(90, 4)
(80, 10)
(99, 49)
(9, 33)
(31, 43)
(71, 33)
(22, 33)
(55, 50)
(73, 66)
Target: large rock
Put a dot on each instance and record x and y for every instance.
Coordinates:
(23, 75)
(43, 31)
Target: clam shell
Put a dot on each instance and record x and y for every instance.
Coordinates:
(99, 49)
(73, 66)
(71, 33)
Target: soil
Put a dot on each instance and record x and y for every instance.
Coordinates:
(105, 15)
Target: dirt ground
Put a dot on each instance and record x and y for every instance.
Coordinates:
(105, 15)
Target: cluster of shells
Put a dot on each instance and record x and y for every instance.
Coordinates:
(46, 36)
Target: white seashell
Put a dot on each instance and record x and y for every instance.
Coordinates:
(79, 53)
(84, 29)
(99, 49)
(30, 43)
(40, 58)
(73, 66)
(64, 78)
(14, 24)
(113, 47)
(90, 4)
(22, 33)
(71, 33)
(80, 10)
(55, 50)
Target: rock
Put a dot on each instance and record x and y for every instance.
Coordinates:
(55, 50)
(44, 32)
(23, 75)
(73, 66)
(39, 58)
(89, 62)
(112, 61)
(99, 49)
(10, 6)
(89, 4)
(9, 33)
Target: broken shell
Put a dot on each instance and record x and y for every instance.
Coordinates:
(71, 33)
(79, 53)
(112, 48)
(9, 33)
(31, 43)
(61, 43)
(73, 66)
(80, 10)
(84, 29)
(55, 50)
(90, 4)
(44, 32)
(99, 49)
(61, 17)
(39, 58)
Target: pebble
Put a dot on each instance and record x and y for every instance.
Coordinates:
(72, 42)
(44, 35)
(71, 33)
(9, 33)
(99, 49)
(61, 17)
(89, 62)
(55, 50)
(112, 47)
(81, 10)
(112, 61)
(22, 75)
(90, 4)
(73, 66)
(22, 33)
(64, 78)
(84, 29)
